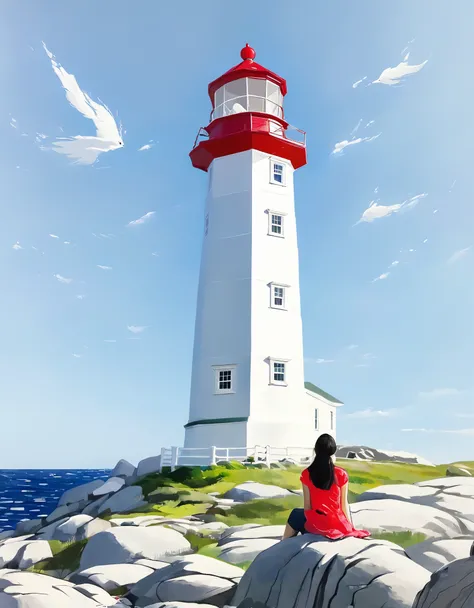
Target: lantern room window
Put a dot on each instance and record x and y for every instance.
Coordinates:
(248, 95)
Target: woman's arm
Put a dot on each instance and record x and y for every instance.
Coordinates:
(307, 498)
(345, 502)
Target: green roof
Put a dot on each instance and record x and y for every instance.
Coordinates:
(319, 391)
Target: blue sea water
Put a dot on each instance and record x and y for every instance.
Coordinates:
(33, 493)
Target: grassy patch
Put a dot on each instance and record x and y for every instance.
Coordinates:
(266, 512)
(199, 542)
(403, 539)
(211, 550)
(66, 556)
(118, 591)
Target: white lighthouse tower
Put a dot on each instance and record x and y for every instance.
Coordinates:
(247, 384)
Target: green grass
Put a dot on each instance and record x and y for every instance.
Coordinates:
(66, 556)
(265, 512)
(199, 542)
(403, 539)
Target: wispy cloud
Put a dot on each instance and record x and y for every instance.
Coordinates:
(381, 277)
(104, 267)
(62, 279)
(370, 413)
(80, 296)
(155, 254)
(467, 432)
(375, 211)
(137, 329)
(391, 76)
(440, 393)
(461, 415)
(459, 255)
(358, 82)
(76, 355)
(142, 219)
(352, 346)
(17, 245)
(319, 361)
(147, 146)
(54, 236)
(85, 150)
(13, 123)
(341, 145)
(110, 340)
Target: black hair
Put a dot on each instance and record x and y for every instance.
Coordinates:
(321, 470)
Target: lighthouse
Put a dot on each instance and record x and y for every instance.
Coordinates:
(248, 385)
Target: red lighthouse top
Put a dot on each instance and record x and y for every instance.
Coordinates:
(247, 68)
(247, 114)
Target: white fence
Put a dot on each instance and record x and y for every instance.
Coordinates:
(175, 456)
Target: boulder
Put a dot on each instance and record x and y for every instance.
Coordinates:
(213, 529)
(24, 553)
(124, 469)
(30, 526)
(47, 533)
(80, 527)
(402, 491)
(457, 471)
(452, 585)
(113, 484)
(94, 592)
(433, 555)
(148, 465)
(192, 579)
(388, 515)
(82, 492)
(128, 499)
(112, 576)
(93, 508)
(251, 490)
(58, 513)
(245, 550)
(446, 482)
(259, 532)
(162, 494)
(6, 534)
(182, 605)
(124, 545)
(311, 571)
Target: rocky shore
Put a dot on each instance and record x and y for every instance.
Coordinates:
(208, 538)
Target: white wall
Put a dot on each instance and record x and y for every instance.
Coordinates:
(218, 435)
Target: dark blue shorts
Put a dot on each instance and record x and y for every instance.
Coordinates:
(297, 520)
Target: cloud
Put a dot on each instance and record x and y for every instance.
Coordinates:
(13, 123)
(375, 211)
(146, 147)
(340, 146)
(155, 254)
(136, 329)
(319, 361)
(104, 267)
(439, 393)
(391, 76)
(358, 82)
(459, 255)
(62, 279)
(85, 150)
(352, 346)
(467, 432)
(370, 413)
(110, 340)
(54, 236)
(17, 245)
(465, 415)
(394, 263)
(76, 355)
(356, 128)
(382, 277)
(142, 219)
(80, 296)
(369, 356)
(363, 365)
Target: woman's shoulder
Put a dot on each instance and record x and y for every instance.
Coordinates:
(305, 476)
(341, 476)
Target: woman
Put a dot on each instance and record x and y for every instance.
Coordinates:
(326, 508)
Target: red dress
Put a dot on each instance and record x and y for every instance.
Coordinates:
(326, 516)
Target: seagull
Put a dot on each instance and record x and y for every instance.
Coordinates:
(85, 150)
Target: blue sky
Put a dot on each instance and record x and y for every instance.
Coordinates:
(399, 350)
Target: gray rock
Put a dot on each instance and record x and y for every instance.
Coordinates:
(433, 555)
(96, 593)
(148, 465)
(58, 513)
(124, 469)
(6, 534)
(182, 605)
(124, 545)
(446, 482)
(245, 550)
(312, 571)
(388, 515)
(259, 532)
(24, 553)
(112, 485)
(251, 490)
(30, 526)
(452, 585)
(128, 499)
(82, 492)
(402, 491)
(113, 575)
(93, 508)
(80, 527)
(457, 471)
(191, 579)
(47, 533)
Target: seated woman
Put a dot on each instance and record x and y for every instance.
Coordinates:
(326, 508)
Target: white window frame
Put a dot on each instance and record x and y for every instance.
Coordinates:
(316, 419)
(233, 378)
(281, 214)
(284, 165)
(273, 361)
(272, 295)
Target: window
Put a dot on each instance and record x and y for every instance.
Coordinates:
(276, 223)
(224, 379)
(248, 95)
(277, 173)
(332, 421)
(278, 296)
(316, 421)
(278, 371)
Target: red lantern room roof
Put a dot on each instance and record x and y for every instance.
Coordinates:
(247, 69)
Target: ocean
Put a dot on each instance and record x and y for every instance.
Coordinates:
(32, 493)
